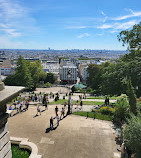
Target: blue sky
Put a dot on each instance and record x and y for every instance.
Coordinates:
(66, 24)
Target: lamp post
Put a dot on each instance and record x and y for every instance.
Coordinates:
(69, 76)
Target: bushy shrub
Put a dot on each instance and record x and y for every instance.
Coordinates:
(46, 85)
(139, 107)
(121, 109)
(107, 110)
(132, 135)
(73, 89)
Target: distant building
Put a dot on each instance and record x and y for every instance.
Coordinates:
(83, 72)
(6, 68)
(50, 67)
(68, 74)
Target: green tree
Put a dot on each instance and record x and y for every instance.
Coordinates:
(10, 80)
(50, 78)
(121, 109)
(94, 77)
(23, 76)
(132, 98)
(132, 135)
(132, 37)
(36, 71)
(27, 74)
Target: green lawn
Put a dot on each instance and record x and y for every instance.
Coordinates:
(61, 101)
(97, 115)
(19, 153)
(101, 98)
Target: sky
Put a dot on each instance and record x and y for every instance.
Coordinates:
(66, 24)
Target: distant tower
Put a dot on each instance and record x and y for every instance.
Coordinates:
(48, 48)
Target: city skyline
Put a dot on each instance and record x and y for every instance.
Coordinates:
(64, 24)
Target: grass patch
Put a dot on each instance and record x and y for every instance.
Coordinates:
(61, 101)
(100, 97)
(97, 115)
(19, 153)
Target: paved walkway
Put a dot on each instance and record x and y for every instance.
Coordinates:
(76, 136)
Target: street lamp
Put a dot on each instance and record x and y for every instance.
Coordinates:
(69, 76)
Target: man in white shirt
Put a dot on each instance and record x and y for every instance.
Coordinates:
(58, 119)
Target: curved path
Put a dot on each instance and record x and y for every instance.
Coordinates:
(76, 136)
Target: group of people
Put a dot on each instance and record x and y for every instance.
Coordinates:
(18, 104)
(107, 101)
(57, 117)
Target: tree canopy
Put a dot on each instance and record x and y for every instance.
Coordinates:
(132, 37)
(28, 74)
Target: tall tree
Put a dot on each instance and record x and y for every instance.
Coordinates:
(132, 37)
(50, 78)
(94, 77)
(132, 98)
(36, 72)
(22, 74)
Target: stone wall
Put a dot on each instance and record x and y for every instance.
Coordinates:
(5, 145)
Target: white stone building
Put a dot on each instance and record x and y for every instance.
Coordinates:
(68, 74)
(84, 73)
(6, 68)
(51, 67)
(6, 71)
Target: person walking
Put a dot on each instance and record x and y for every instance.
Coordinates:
(65, 103)
(77, 104)
(58, 119)
(38, 110)
(27, 105)
(51, 123)
(44, 102)
(19, 107)
(62, 113)
(14, 103)
(81, 104)
(56, 110)
(39, 98)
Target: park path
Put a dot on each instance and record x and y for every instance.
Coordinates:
(76, 136)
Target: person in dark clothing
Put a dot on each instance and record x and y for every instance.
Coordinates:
(27, 105)
(14, 103)
(56, 110)
(81, 104)
(51, 123)
(44, 102)
(108, 101)
(35, 98)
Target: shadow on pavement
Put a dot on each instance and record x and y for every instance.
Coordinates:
(36, 115)
(49, 129)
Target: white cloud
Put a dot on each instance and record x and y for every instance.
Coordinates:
(125, 25)
(12, 32)
(15, 19)
(83, 35)
(132, 14)
(105, 26)
(102, 12)
(118, 26)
